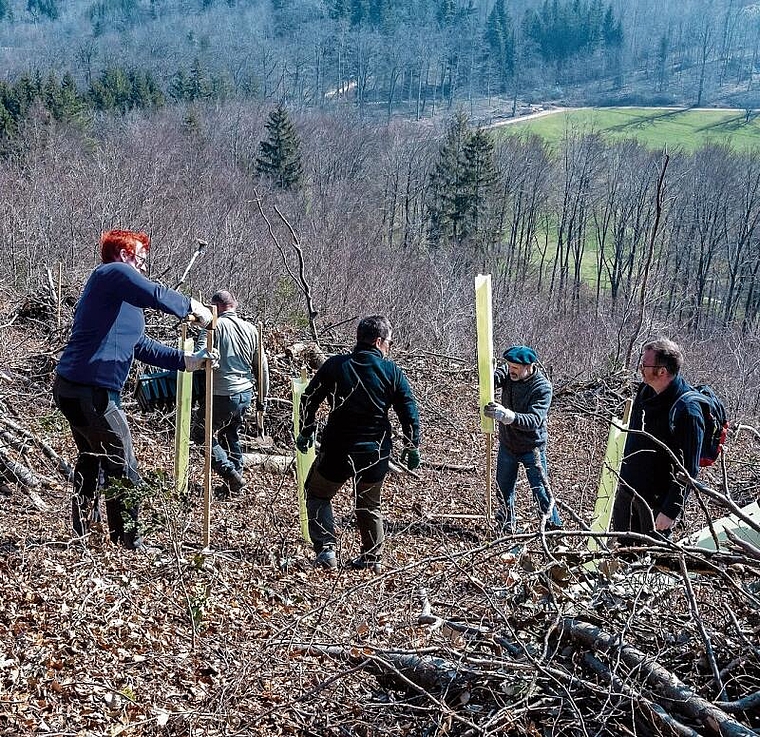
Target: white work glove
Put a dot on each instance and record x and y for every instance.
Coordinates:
(201, 313)
(499, 412)
(197, 360)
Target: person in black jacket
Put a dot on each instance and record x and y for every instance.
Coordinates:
(650, 494)
(526, 394)
(356, 443)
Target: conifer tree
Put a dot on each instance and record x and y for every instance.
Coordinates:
(499, 36)
(48, 8)
(462, 185)
(479, 184)
(448, 205)
(280, 157)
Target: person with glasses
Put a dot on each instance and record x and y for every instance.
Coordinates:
(107, 334)
(360, 389)
(651, 492)
(526, 394)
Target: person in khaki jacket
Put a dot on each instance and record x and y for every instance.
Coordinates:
(235, 381)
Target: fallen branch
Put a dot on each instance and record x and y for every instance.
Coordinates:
(682, 697)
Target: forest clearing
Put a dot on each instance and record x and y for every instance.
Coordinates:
(677, 129)
(464, 633)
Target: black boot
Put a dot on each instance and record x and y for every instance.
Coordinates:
(235, 481)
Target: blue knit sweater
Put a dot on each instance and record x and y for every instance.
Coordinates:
(109, 327)
(529, 399)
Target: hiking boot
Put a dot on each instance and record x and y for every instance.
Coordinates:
(234, 481)
(363, 563)
(327, 559)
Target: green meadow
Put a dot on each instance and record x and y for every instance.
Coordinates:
(678, 129)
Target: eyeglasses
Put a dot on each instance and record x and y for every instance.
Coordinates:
(389, 342)
(140, 258)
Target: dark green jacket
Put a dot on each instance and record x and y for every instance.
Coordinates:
(360, 388)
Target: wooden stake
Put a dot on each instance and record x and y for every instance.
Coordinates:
(260, 379)
(489, 474)
(60, 283)
(209, 433)
(483, 317)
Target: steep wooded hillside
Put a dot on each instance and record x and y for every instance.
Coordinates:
(465, 633)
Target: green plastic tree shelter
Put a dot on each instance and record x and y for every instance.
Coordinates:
(184, 401)
(608, 479)
(484, 320)
(303, 460)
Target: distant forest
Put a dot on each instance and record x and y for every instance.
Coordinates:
(384, 57)
(273, 129)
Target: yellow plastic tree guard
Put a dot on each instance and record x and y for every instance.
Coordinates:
(303, 460)
(484, 322)
(483, 316)
(184, 401)
(608, 479)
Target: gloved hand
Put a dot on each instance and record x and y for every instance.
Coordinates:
(499, 412)
(261, 406)
(201, 313)
(304, 442)
(411, 456)
(197, 360)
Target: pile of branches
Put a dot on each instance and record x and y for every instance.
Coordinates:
(652, 639)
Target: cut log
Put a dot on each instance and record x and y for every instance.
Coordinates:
(271, 463)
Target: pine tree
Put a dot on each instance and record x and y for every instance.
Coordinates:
(500, 38)
(280, 157)
(48, 8)
(480, 179)
(449, 200)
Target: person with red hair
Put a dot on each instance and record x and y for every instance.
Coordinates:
(107, 334)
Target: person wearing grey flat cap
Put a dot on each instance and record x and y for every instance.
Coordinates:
(526, 394)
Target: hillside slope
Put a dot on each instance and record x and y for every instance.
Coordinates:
(463, 633)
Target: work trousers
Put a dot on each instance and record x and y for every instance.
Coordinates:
(226, 422)
(106, 460)
(632, 513)
(534, 462)
(366, 474)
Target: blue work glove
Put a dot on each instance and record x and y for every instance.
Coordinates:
(411, 456)
(197, 360)
(304, 442)
(499, 412)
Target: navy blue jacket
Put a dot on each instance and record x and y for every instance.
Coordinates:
(529, 399)
(360, 388)
(647, 468)
(109, 327)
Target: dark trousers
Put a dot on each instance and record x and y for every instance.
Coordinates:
(106, 459)
(227, 418)
(632, 513)
(327, 475)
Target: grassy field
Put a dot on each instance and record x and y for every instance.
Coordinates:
(655, 127)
